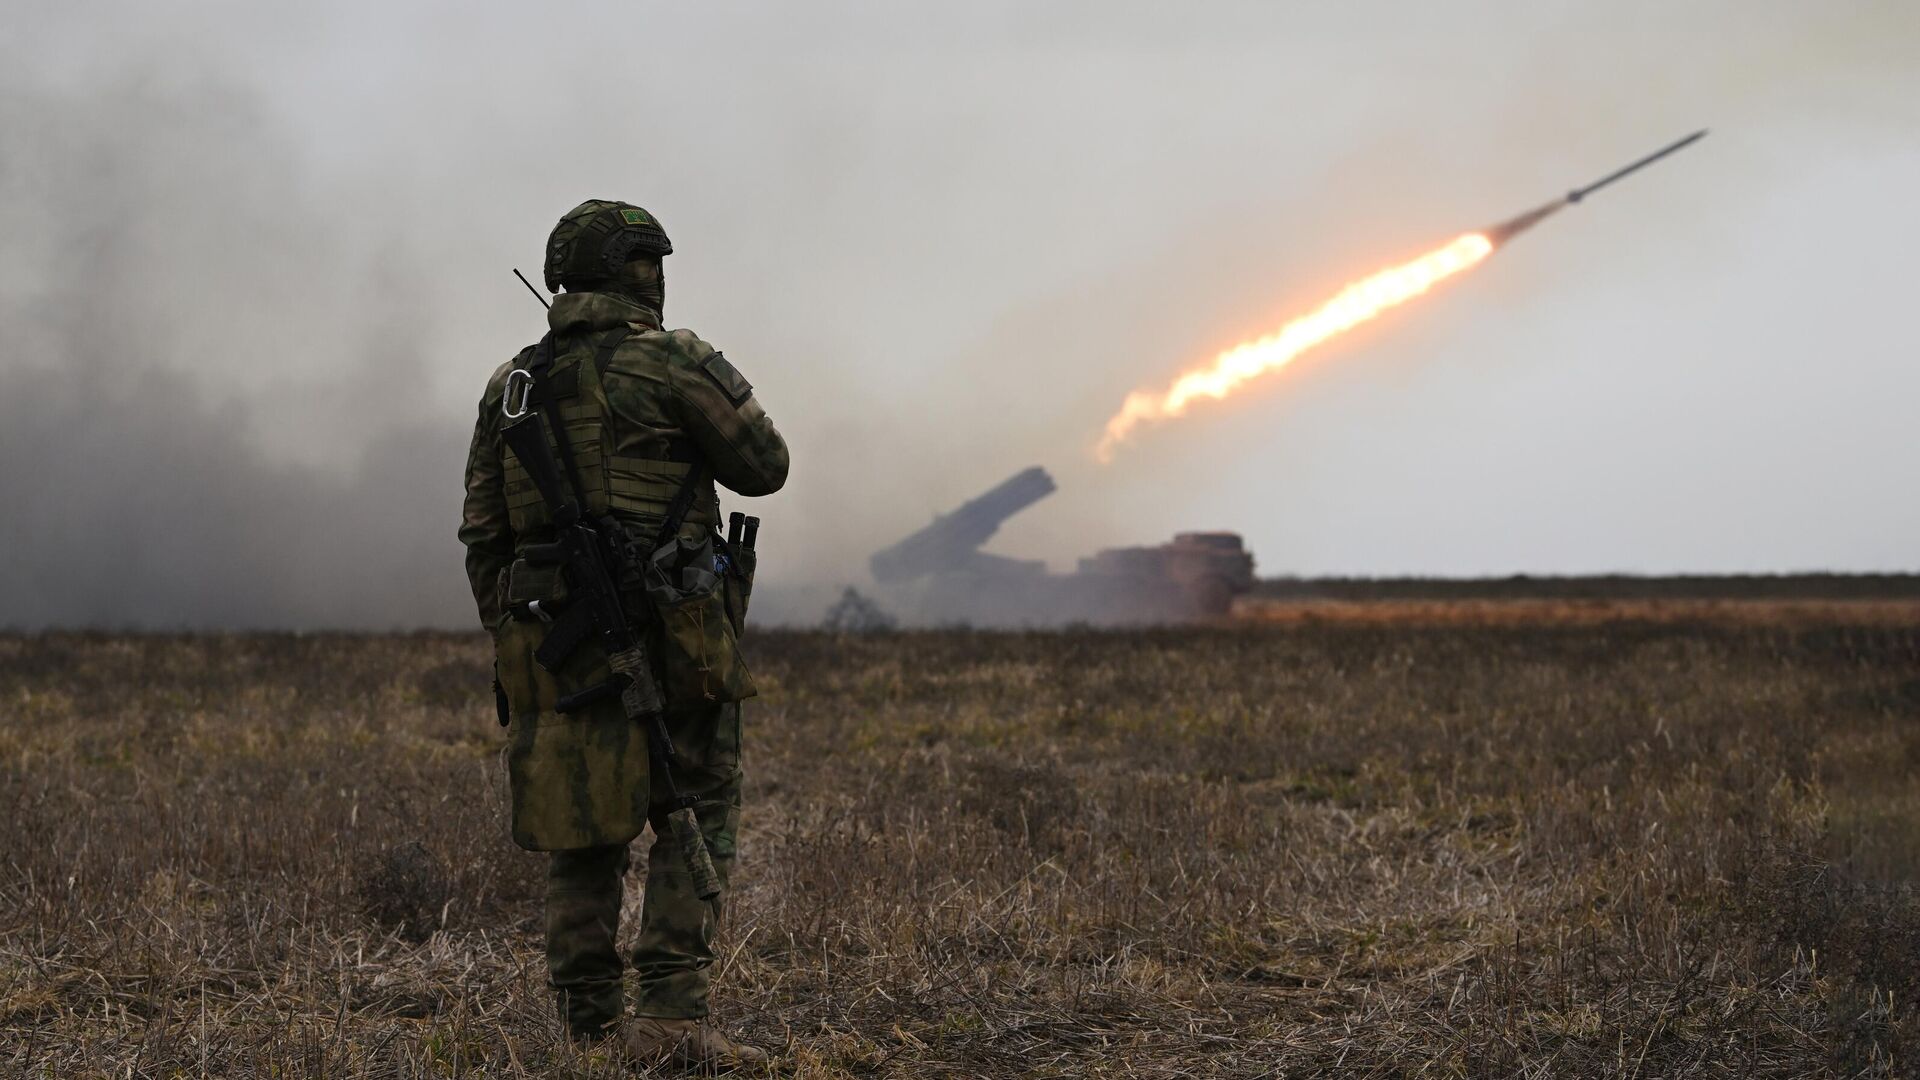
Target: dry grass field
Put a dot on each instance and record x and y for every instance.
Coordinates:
(1630, 845)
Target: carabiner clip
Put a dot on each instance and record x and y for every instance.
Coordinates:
(519, 379)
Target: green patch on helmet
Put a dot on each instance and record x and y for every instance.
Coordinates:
(635, 217)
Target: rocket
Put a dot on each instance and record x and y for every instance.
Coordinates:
(1507, 230)
(1357, 303)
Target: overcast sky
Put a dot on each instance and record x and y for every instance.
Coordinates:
(257, 275)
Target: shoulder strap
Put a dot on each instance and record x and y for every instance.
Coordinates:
(541, 366)
(603, 355)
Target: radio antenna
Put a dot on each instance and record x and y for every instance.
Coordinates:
(530, 288)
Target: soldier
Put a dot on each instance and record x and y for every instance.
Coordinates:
(650, 418)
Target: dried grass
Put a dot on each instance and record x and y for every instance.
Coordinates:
(1364, 847)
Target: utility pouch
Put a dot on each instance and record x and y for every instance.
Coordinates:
(532, 582)
(700, 656)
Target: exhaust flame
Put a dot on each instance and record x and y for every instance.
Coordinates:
(1354, 305)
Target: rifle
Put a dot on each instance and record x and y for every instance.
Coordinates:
(593, 558)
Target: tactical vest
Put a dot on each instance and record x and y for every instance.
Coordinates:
(695, 641)
(633, 487)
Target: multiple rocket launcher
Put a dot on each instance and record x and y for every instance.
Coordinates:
(944, 577)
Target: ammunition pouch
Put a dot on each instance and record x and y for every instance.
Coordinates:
(530, 583)
(699, 652)
(636, 547)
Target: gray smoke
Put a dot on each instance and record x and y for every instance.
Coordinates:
(171, 294)
(257, 271)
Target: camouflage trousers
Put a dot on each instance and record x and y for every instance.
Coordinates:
(672, 954)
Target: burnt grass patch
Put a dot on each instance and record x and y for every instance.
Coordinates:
(1596, 848)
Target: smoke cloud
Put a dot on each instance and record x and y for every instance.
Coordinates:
(257, 273)
(181, 313)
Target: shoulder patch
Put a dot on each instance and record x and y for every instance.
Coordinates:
(727, 378)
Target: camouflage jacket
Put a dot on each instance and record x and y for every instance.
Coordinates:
(664, 387)
(641, 407)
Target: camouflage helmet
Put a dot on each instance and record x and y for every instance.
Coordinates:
(597, 237)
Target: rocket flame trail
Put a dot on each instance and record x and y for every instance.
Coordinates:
(1354, 305)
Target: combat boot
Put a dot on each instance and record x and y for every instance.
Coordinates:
(687, 1043)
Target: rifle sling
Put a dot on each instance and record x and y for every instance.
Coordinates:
(540, 369)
